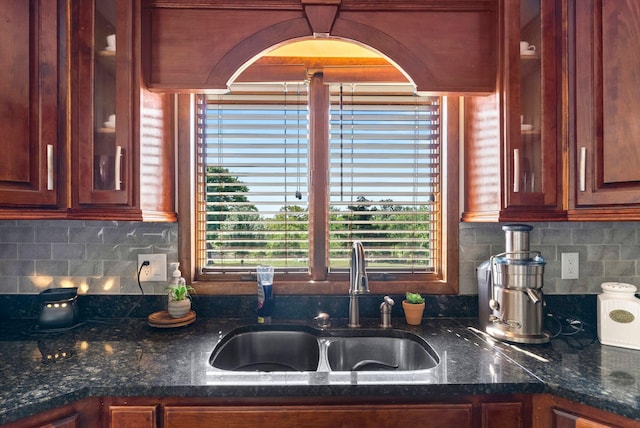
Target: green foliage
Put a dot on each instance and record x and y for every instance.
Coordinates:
(180, 292)
(396, 234)
(414, 298)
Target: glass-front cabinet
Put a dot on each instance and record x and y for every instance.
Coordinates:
(513, 162)
(532, 105)
(103, 103)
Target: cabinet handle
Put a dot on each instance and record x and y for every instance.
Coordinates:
(49, 166)
(118, 166)
(516, 170)
(583, 169)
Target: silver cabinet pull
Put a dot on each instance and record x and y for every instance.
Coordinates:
(50, 166)
(583, 169)
(516, 170)
(118, 166)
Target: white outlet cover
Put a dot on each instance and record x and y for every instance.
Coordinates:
(570, 266)
(157, 269)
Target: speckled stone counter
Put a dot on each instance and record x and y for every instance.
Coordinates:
(39, 372)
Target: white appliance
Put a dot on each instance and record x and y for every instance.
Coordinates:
(619, 315)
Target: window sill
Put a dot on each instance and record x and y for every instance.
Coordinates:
(207, 287)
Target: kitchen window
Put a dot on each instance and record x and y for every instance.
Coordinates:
(291, 174)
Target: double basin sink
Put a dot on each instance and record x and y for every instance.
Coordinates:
(267, 348)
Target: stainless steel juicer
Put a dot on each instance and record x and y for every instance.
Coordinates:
(511, 303)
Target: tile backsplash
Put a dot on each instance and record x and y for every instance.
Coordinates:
(100, 257)
(608, 251)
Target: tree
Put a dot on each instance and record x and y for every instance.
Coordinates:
(232, 223)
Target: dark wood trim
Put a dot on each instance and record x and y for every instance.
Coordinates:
(185, 177)
(443, 281)
(319, 176)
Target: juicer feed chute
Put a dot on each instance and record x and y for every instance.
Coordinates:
(510, 298)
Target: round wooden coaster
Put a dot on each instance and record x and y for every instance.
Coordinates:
(162, 319)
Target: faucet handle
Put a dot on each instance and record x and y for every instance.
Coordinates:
(385, 312)
(323, 320)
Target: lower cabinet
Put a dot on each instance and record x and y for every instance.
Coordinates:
(445, 415)
(554, 412)
(133, 416)
(459, 412)
(83, 413)
(473, 411)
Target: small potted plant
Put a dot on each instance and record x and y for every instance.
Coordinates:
(413, 306)
(179, 300)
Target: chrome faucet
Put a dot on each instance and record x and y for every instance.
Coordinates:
(358, 282)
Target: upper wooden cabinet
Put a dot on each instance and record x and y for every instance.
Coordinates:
(32, 165)
(604, 62)
(512, 158)
(197, 46)
(122, 143)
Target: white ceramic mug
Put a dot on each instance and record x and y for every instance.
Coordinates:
(111, 42)
(525, 46)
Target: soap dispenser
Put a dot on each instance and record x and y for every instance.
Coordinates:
(176, 276)
(179, 301)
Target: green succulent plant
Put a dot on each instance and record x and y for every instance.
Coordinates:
(180, 292)
(414, 298)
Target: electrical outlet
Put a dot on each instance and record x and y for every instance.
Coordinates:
(570, 265)
(157, 269)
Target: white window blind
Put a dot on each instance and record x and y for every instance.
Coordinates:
(253, 167)
(385, 177)
(253, 172)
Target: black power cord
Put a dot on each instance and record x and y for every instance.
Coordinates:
(573, 330)
(136, 304)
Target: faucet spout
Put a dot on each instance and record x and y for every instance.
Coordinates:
(358, 282)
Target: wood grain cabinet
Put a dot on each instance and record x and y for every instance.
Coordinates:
(133, 416)
(604, 64)
(122, 145)
(32, 165)
(513, 158)
(449, 415)
(554, 412)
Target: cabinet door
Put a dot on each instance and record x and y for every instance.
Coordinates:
(513, 159)
(502, 415)
(104, 103)
(606, 95)
(132, 416)
(567, 420)
(29, 103)
(68, 422)
(379, 416)
(531, 106)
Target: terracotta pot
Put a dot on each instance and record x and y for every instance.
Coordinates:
(178, 308)
(413, 312)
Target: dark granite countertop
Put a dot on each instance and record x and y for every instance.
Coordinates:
(132, 359)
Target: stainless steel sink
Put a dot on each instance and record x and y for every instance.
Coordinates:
(267, 350)
(378, 354)
(305, 349)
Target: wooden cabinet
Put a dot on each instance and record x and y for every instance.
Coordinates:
(503, 415)
(83, 413)
(513, 159)
(376, 415)
(32, 165)
(555, 412)
(95, 171)
(122, 143)
(133, 416)
(604, 64)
